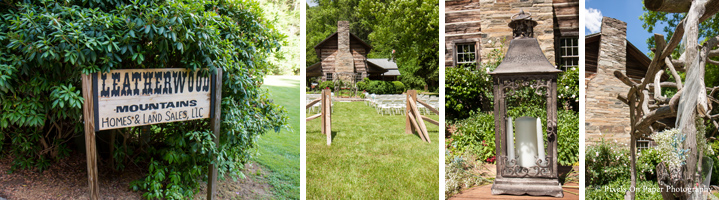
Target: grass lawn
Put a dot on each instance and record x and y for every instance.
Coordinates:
(280, 152)
(371, 157)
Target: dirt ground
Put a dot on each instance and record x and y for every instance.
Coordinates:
(67, 179)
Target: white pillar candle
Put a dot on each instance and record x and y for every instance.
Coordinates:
(540, 140)
(510, 139)
(527, 141)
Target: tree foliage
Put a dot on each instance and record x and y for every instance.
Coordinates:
(410, 28)
(46, 45)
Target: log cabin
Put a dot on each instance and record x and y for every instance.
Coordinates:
(343, 56)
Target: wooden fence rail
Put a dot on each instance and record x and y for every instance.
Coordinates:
(414, 120)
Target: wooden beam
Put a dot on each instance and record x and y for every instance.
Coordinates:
(430, 120)
(312, 103)
(313, 117)
(215, 124)
(408, 129)
(91, 151)
(422, 127)
(413, 120)
(435, 111)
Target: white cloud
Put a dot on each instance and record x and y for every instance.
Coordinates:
(592, 19)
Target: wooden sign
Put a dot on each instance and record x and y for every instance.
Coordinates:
(138, 97)
(135, 97)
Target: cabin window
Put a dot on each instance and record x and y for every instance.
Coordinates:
(466, 55)
(328, 77)
(569, 52)
(643, 144)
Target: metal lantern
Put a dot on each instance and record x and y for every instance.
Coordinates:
(530, 171)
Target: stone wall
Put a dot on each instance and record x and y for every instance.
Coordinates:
(484, 22)
(605, 116)
(495, 15)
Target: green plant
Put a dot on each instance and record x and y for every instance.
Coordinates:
(647, 161)
(326, 84)
(46, 45)
(461, 172)
(467, 89)
(605, 163)
(476, 133)
(568, 89)
(398, 87)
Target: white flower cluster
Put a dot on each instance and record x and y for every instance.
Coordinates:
(670, 145)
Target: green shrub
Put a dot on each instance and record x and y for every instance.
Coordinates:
(326, 84)
(476, 133)
(398, 87)
(46, 45)
(466, 90)
(605, 163)
(568, 89)
(362, 85)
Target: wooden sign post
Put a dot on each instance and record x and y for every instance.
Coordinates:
(138, 97)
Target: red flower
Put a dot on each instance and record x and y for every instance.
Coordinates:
(491, 159)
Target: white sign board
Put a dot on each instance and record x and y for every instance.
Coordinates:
(138, 97)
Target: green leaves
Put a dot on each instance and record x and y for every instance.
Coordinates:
(44, 50)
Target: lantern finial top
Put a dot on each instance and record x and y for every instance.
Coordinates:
(522, 25)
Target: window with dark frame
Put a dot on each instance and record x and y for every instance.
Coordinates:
(643, 144)
(328, 77)
(358, 77)
(569, 52)
(466, 55)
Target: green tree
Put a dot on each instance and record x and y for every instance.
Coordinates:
(46, 45)
(410, 28)
(322, 22)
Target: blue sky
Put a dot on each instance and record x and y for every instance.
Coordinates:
(627, 11)
(312, 4)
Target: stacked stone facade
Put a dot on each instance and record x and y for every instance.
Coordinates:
(342, 55)
(484, 23)
(606, 116)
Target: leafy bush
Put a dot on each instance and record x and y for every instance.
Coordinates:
(467, 90)
(381, 87)
(362, 85)
(568, 89)
(605, 163)
(476, 133)
(326, 84)
(46, 45)
(398, 87)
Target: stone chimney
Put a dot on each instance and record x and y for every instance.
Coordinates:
(606, 116)
(344, 61)
(343, 36)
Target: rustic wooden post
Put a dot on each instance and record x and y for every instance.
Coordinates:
(322, 112)
(215, 123)
(90, 148)
(418, 117)
(326, 115)
(408, 129)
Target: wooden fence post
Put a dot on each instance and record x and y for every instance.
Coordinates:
(326, 114)
(215, 123)
(91, 151)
